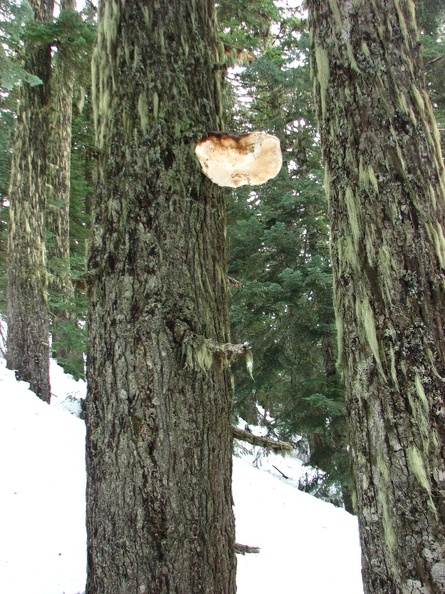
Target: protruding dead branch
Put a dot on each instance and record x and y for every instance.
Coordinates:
(265, 442)
(201, 352)
(243, 549)
(235, 284)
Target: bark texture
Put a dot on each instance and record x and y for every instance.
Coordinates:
(159, 437)
(28, 318)
(386, 189)
(58, 215)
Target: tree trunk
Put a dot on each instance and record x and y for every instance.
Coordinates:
(28, 320)
(63, 314)
(159, 436)
(386, 188)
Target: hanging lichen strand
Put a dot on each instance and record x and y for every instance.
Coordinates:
(159, 441)
(386, 188)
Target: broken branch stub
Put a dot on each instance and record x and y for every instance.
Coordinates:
(246, 159)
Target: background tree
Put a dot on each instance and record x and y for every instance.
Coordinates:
(73, 39)
(28, 320)
(159, 442)
(385, 182)
(7, 108)
(13, 18)
(61, 285)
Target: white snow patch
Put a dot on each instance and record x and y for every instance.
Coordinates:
(42, 494)
(307, 546)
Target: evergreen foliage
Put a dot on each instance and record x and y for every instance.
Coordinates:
(431, 19)
(70, 33)
(7, 118)
(13, 17)
(279, 252)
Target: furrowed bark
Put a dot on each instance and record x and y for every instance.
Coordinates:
(159, 439)
(386, 188)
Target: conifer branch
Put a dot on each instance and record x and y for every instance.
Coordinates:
(434, 60)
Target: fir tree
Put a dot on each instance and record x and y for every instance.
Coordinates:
(28, 316)
(385, 181)
(159, 441)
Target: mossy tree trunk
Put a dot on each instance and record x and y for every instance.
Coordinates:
(386, 189)
(61, 289)
(159, 441)
(28, 318)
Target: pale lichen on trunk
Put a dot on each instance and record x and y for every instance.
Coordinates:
(385, 184)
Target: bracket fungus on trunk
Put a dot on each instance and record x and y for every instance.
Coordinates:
(239, 160)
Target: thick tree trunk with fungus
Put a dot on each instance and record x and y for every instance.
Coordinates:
(159, 436)
(28, 317)
(386, 188)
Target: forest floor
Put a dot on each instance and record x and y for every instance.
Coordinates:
(307, 546)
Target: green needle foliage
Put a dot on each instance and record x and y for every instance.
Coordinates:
(279, 252)
(431, 17)
(13, 17)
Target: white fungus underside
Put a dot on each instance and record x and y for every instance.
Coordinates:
(252, 160)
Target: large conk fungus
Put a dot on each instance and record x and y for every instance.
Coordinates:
(246, 159)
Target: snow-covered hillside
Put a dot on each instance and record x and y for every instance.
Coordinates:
(307, 546)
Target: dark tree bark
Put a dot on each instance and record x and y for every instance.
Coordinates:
(28, 318)
(386, 188)
(159, 436)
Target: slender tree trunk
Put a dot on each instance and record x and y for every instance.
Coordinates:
(159, 436)
(386, 187)
(28, 319)
(61, 288)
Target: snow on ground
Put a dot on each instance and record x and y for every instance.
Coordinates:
(307, 546)
(42, 492)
